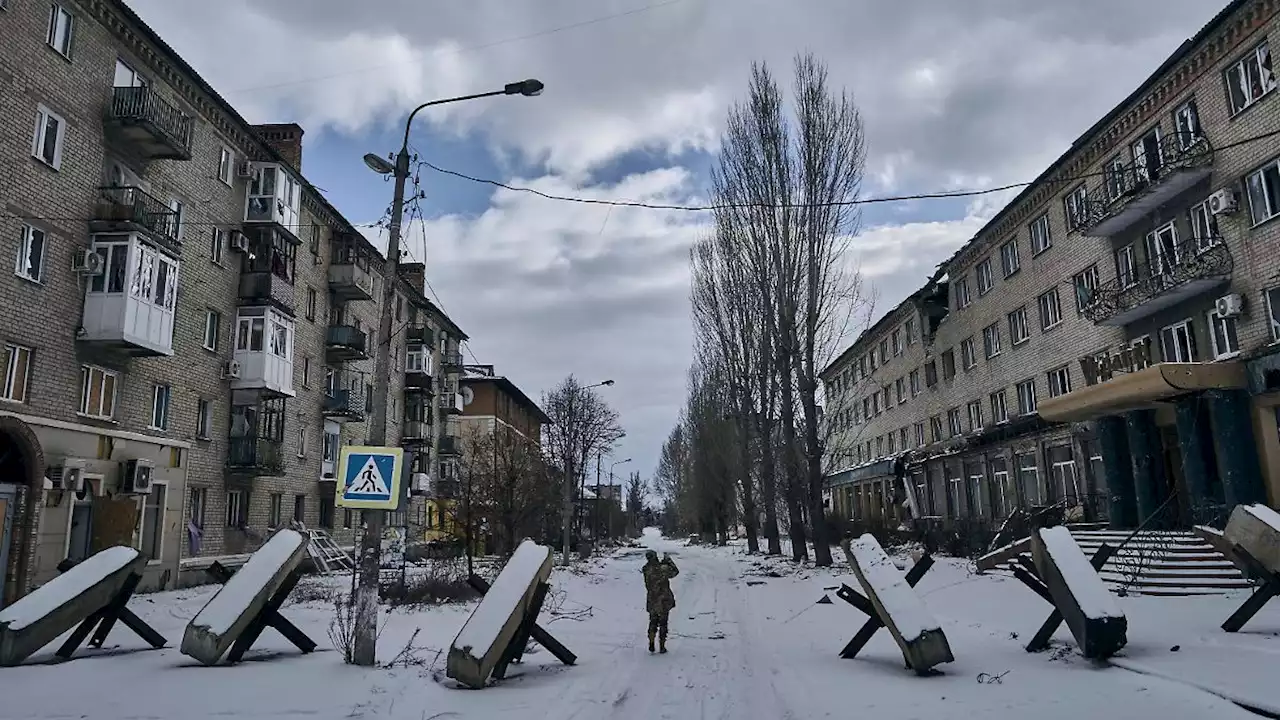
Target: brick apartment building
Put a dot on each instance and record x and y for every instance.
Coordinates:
(190, 325)
(1108, 341)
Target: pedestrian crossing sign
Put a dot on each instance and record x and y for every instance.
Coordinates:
(370, 477)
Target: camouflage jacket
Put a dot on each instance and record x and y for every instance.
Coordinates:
(657, 586)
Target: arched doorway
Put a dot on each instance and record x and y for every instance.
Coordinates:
(22, 469)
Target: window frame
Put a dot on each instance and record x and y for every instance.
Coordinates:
(1272, 297)
(22, 260)
(1188, 326)
(1045, 323)
(204, 418)
(1061, 377)
(985, 270)
(1093, 280)
(1046, 228)
(161, 500)
(212, 330)
(11, 373)
(1010, 262)
(39, 138)
(226, 165)
(1214, 319)
(57, 13)
(968, 354)
(991, 345)
(1229, 73)
(87, 373)
(1269, 169)
(161, 407)
(1034, 401)
(1002, 415)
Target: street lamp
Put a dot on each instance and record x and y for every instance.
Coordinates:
(611, 467)
(566, 509)
(366, 625)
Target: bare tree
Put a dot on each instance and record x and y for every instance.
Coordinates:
(511, 486)
(635, 502)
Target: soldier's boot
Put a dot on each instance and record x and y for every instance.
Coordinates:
(662, 640)
(651, 641)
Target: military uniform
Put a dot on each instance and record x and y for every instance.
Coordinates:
(659, 600)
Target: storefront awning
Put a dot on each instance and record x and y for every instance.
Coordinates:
(878, 469)
(1143, 389)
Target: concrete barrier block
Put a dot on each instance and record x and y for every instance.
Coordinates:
(1087, 606)
(1256, 528)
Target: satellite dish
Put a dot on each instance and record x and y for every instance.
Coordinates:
(467, 395)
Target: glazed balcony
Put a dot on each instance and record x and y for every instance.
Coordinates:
(148, 124)
(1194, 269)
(1131, 191)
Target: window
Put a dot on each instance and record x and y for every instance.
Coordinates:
(178, 209)
(1148, 158)
(127, 77)
(252, 336)
(962, 292)
(1040, 239)
(884, 352)
(154, 278)
(300, 508)
(935, 428)
(306, 372)
(1126, 267)
(919, 431)
(1249, 79)
(910, 329)
(326, 511)
(875, 403)
(302, 441)
(1273, 312)
(954, 423)
(930, 373)
(199, 503)
(97, 392)
(1118, 176)
(871, 359)
(1075, 206)
(17, 372)
(153, 522)
(212, 327)
(891, 438)
(348, 517)
(900, 387)
(991, 340)
(902, 438)
(61, 29)
(975, 415)
(273, 510)
(160, 399)
(1009, 261)
(217, 242)
(948, 364)
(1162, 249)
(1059, 381)
(986, 277)
(1223, 336)
(999, 408)
(1178, 342)
(1263, 186)
(866, 407)
(204, 418)
(46, 143)
(226, 162)
(311, 303)
(1050, 309)
(30, 260)
(237, 509)
(1204, 227)
(1026, 397)
(968, 353)
(897, 342)
(888, 402)
(1186, 121)
(1085, 283)
(914, 377)
(880, 447)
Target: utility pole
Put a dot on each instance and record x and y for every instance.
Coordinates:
(567, 514)
(365, 650)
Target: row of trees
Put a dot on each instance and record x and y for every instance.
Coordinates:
(773, 295)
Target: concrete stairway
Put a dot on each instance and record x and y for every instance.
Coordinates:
(1176, 563)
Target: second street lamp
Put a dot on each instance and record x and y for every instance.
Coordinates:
(366, 597)
(611, 467)
(567, 515)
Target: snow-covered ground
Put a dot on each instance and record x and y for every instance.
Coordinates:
(748, 640)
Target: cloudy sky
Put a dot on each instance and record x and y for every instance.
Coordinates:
(954, 95)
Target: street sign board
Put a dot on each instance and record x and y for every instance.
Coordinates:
(370, 477)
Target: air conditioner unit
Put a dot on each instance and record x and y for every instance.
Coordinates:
(244, 169)
(135, 476)
(86, 262)
(231, 370)
(1223, 202)
(73, 479)
(1229, 305)
(239, 241)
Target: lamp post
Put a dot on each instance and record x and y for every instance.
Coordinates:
(611, 467)
(566, 510)
(366, 598)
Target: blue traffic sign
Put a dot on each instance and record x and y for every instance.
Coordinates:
(370, 477)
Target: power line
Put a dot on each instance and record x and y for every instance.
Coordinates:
(471, 48)
(835, 203)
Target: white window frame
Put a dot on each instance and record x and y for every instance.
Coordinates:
(161, 406)
(1261, 204)
(204, 418)
(1163, 250)
(1226, 323)
(39, 137)
(914, 381)
(142, 519)
(1091, 280)
(235, 508)
(302, 441)
(955, 422)
(22, 266)
(1273, 312)
(909, 329)
(999, 410)
(1031, 397)
(1018, 321)
(991, 346)
(986, 276)
(1073, 204)
(1237, 78)
(61, 30)
(968, 353)
(1126, 267)
(974, 409)
(217, 245)
(89, 374)
(1041, 235)
(226, 165)
(1050, 306)
(897, 342)
(212, 329)
(1059, 380)
(919, 432)
(1188, 332)
(179, 209)
(16, 384)
(1204, 226)
(1010, 262)
(963, 298)
(1186, 122)
(133, 79)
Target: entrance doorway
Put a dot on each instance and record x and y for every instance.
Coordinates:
(21, 464)
(8, 496)
(80, 533)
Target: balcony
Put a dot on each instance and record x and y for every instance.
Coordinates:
(140, 118)
(446, 489)
(343, 343)
(129, 305)
(255, 456)
(344, 404)
(274, 200)
(1197, 269)
(419, 334)
(451, 403)
(414, 432)
(351, 267)
(1132, 190)
(417, 382)
(266, 288)
(451, 361)
(450, 445)
(263, 352)
(127, 209)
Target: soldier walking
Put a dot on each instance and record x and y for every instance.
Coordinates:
(659, 600)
